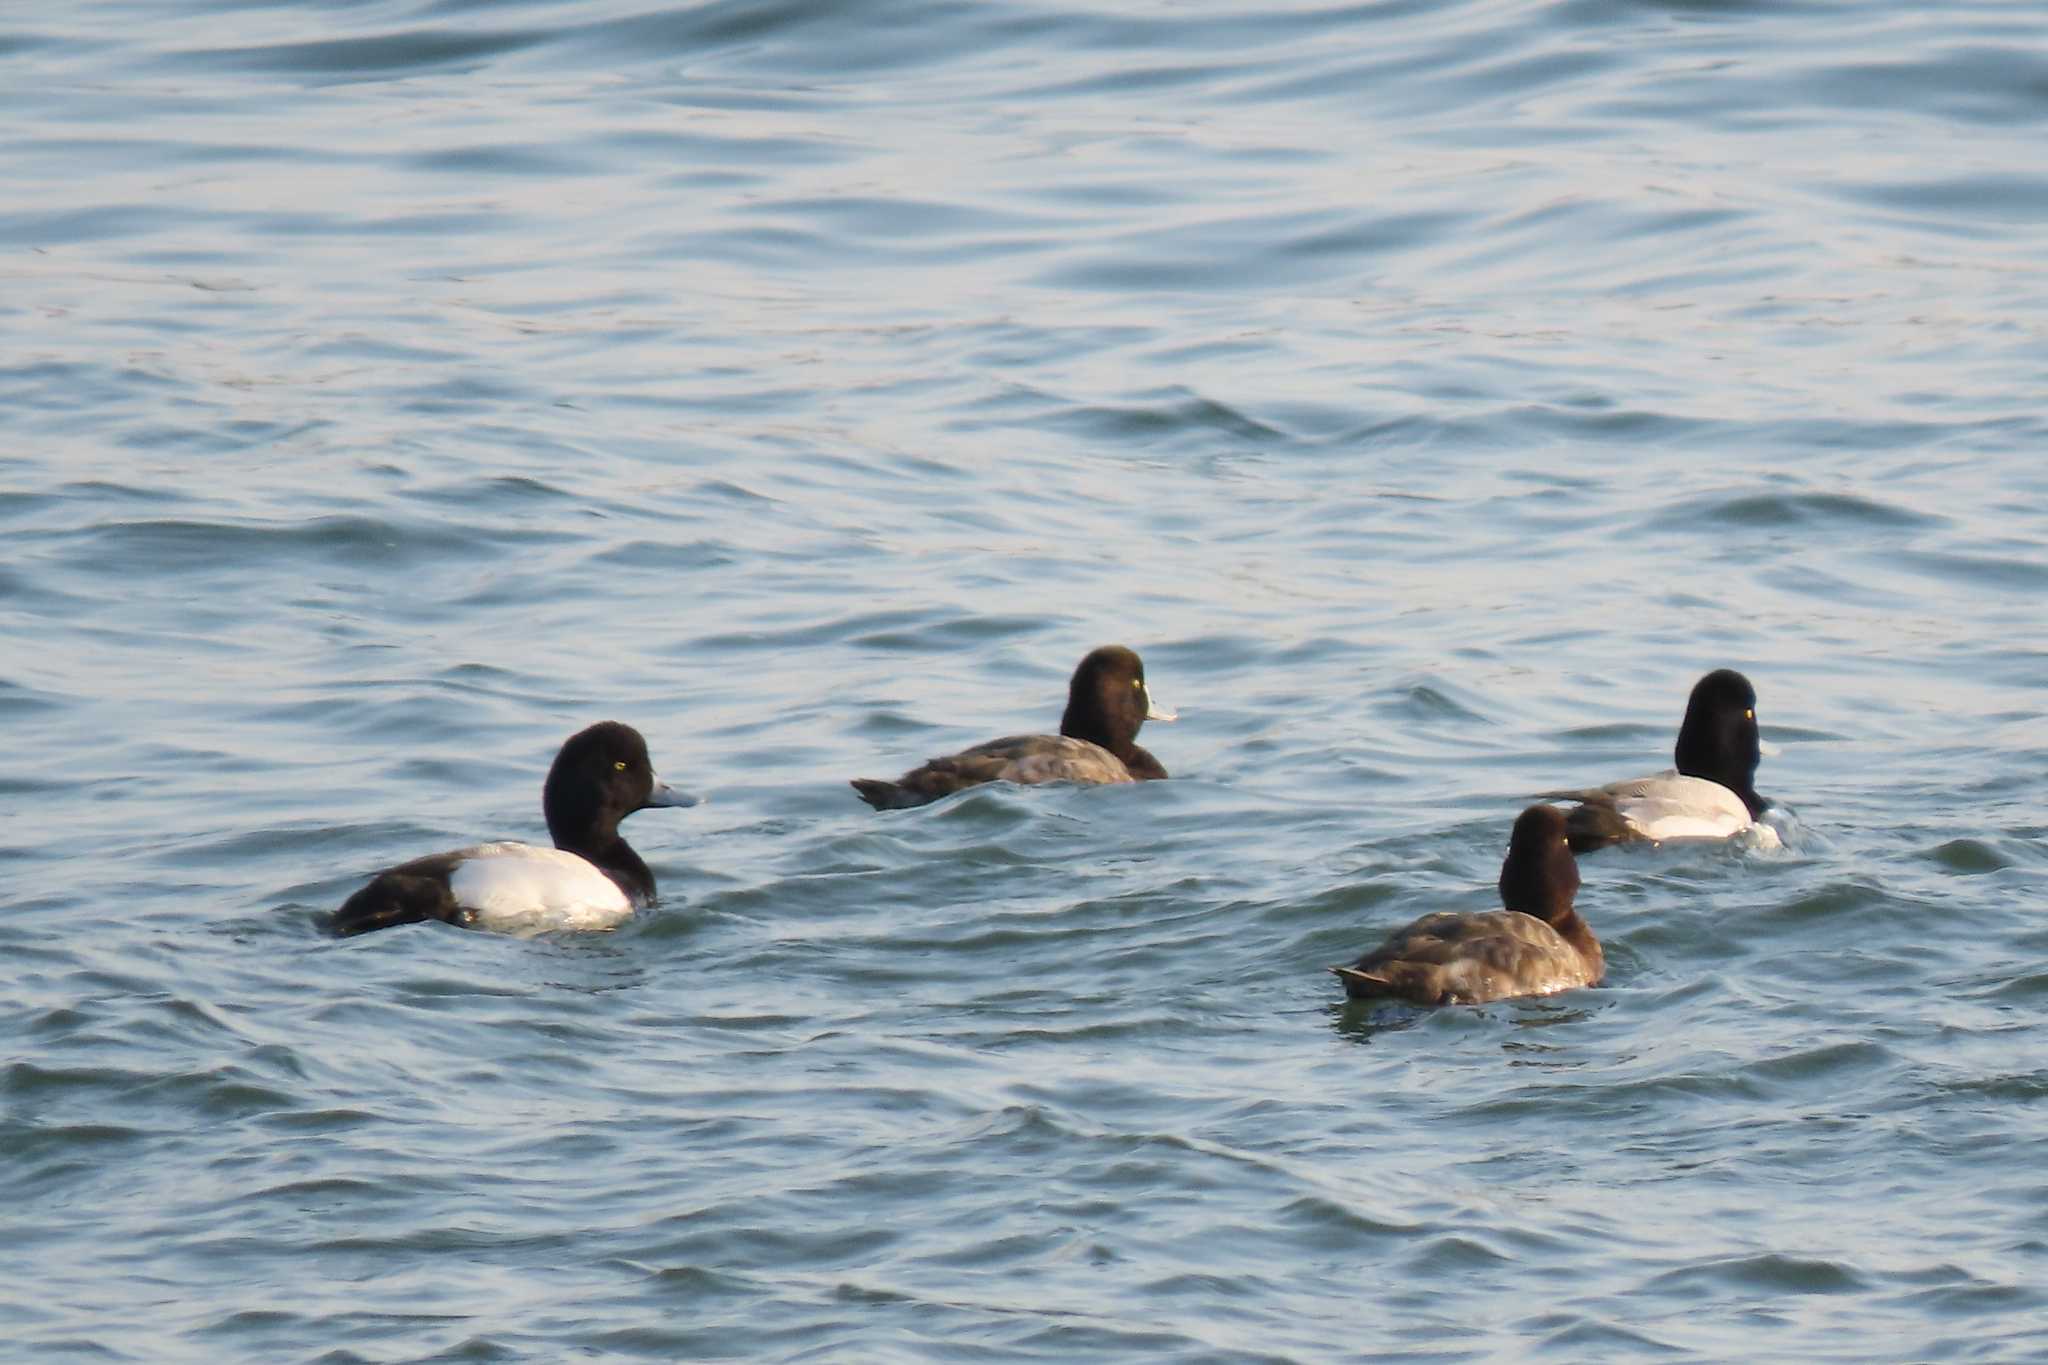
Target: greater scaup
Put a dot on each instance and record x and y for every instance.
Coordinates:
(1107, 702)
(1537, 945)
(1711, 794)
(590, 879)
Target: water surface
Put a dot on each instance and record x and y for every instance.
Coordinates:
(1431, 392)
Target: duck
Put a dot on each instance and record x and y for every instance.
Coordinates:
(1710, 794)
(1107, 703)
(1536, 945)
(590, 879)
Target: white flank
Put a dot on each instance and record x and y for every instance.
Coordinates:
(1669, 806)
(525, 889)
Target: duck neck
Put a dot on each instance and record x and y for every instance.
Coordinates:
(1703, 757)
(1142, 765)
(1734, 779)
(1080, 724)
(613, 856)
(1574, 931)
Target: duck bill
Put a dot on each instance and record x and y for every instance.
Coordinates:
(665, 795)
(1154, 711)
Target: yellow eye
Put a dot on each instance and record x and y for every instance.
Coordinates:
(620, 766)
(1138, 683)
(1749, 714)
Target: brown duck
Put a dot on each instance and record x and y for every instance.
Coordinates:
(1535, 946)
(1107, 702)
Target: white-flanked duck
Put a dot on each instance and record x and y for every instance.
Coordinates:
(1711, 794)
(590, 879)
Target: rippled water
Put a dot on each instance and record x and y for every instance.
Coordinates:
(1431, 392)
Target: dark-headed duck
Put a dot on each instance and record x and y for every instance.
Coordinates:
(1711, 794)
(1106, 704)
(1535, 946)
(590, 879)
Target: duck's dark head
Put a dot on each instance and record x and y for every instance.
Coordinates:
(1718, 739)
(1539, 876)
(1107, 702)
(601, 776)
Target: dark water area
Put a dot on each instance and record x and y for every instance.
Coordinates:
(1430, 392)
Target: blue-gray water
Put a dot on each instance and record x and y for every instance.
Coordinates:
(1430, 391)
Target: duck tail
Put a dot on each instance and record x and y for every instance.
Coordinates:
(885, 795)
(391, 899)
(1362, 985)
(1596, 822)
